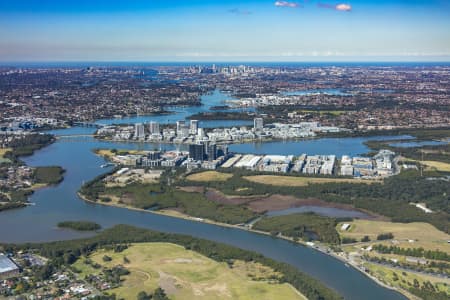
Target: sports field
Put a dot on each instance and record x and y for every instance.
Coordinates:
(185, 274)
(209, 176)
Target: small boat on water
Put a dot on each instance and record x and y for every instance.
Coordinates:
(106, 165)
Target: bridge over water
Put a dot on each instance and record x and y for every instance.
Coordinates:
(88, 124)
(75, 137)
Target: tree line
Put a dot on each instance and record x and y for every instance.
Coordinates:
(307, 226)
(27, 144)
(416, 252)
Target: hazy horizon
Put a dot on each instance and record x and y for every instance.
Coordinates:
(443, 61)
(206, 30)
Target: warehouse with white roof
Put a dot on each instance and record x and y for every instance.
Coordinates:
(7, 267)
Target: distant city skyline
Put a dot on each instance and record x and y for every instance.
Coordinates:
(221, 31)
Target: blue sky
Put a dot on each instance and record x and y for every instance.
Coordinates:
(202, 30)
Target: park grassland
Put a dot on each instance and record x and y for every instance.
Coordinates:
(209, 176)
(431, 165)
(404, 279)
(437, 165)
(104, 152)
(3, 151)
(109, 153)
(424, 235)
(295, 181)
(185, 274)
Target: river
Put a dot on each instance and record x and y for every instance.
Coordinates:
(216, 98)
(324, 211)
(323, 146)
(59, 203)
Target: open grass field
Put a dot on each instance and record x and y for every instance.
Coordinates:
(109, 153)
(437, 165)
(2, 153)
(104, 152)
(185, 274)
(406, 279)
(300, 181)
(424, 234)
(209, 176)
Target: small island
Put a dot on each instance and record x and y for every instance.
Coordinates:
(18, 180)
(80, 225)
(48, 175)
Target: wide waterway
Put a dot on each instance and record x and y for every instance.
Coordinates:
(59, 203)
(216, 98)
(37, 223)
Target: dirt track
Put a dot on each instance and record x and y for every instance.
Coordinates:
(217, 196)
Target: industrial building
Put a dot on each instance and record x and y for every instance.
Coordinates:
(276, 163)
(248, 162)
(362, 166)
(384, 162)
(319, 164)
(7, 267)
(232, 161)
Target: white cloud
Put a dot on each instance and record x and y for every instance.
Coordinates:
(343, 7)
(286, 4)
(338, 7)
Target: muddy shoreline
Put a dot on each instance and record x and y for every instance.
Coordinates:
(275, 202)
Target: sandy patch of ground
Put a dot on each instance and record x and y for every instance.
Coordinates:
(217, 196)
(167, 283)
(192, 189)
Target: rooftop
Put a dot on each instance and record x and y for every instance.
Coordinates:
(6, 264)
